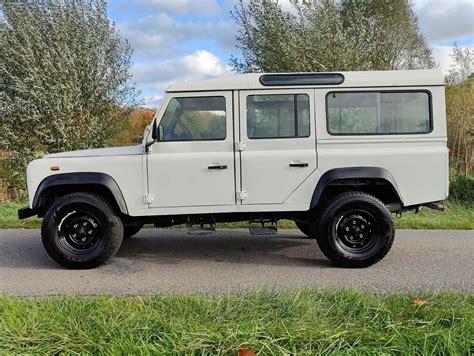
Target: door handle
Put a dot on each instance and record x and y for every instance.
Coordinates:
(298, 164)
(217, 166)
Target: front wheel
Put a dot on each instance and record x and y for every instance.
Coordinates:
(81, 230)
(355, 230)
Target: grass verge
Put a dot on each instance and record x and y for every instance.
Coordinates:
(9, 217)
(456, 216)
(268, 322)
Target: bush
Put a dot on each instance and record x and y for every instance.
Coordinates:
(64, 81)
(461, 189)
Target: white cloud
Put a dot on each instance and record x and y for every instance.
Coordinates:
(203, 63)
(446, 20)
(158, 75)
(442, 57)
(152, 101)
(161, 35)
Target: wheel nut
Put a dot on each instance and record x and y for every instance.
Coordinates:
(90, 232)
(75, 226)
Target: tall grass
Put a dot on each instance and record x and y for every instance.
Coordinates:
(272, 323)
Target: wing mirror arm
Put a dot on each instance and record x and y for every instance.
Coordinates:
(154, 137)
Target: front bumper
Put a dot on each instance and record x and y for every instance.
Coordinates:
(27, 212)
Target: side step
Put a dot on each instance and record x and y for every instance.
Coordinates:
(201, 227)
(263, 226)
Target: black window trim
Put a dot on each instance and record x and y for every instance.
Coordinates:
(430, 107)
(295, 117)
(199, 97)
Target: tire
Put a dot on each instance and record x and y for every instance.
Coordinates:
(355, 230)
(131, 230)
(306, 229)
(81, 231)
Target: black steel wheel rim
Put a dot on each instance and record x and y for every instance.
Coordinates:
(356, 230)
(79, 231)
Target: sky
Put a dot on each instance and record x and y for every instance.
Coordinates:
(186, 40)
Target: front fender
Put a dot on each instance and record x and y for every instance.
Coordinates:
(78, 179)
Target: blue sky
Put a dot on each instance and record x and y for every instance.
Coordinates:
(185, 40)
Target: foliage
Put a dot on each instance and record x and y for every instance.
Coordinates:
(460, 110)
(63, 79)
(305, 321)
(463, 64)
(327, 35)
(461, 190)
(131, 130)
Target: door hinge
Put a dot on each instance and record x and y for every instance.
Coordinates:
(240, 146)
(149, 198)
(242, 195)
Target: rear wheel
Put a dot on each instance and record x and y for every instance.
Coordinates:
(355, 230)
(131, 230)
(81, 230)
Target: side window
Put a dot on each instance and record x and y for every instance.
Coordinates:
(278, 116)
(368, 113)
(194, 119)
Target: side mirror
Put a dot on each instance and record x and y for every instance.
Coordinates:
(160, 133)
(154, 132)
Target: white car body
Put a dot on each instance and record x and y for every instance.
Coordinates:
(160, 178)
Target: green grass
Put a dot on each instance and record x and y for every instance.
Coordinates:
(456, 216)
(305, 322)
(9, 217)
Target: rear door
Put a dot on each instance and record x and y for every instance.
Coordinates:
(277, 130)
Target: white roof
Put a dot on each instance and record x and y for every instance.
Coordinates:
(396, 78)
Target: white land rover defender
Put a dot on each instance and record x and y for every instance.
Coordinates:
(335, 152)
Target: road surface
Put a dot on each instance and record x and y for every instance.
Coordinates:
(168, 261)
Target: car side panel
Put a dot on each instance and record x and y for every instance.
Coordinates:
(417, 162)
(126, 170)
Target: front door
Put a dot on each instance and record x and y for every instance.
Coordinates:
(278, 130)
(192, 163)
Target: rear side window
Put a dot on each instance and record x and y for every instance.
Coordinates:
(278, 116)
(194, 119)
(382, 113)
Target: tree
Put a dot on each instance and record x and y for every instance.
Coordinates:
(63, 79)
(131, 131)
(460, 110)
(329, 35)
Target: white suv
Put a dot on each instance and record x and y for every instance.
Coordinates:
(335, 152)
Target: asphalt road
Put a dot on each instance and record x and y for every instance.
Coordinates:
(168, 261)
